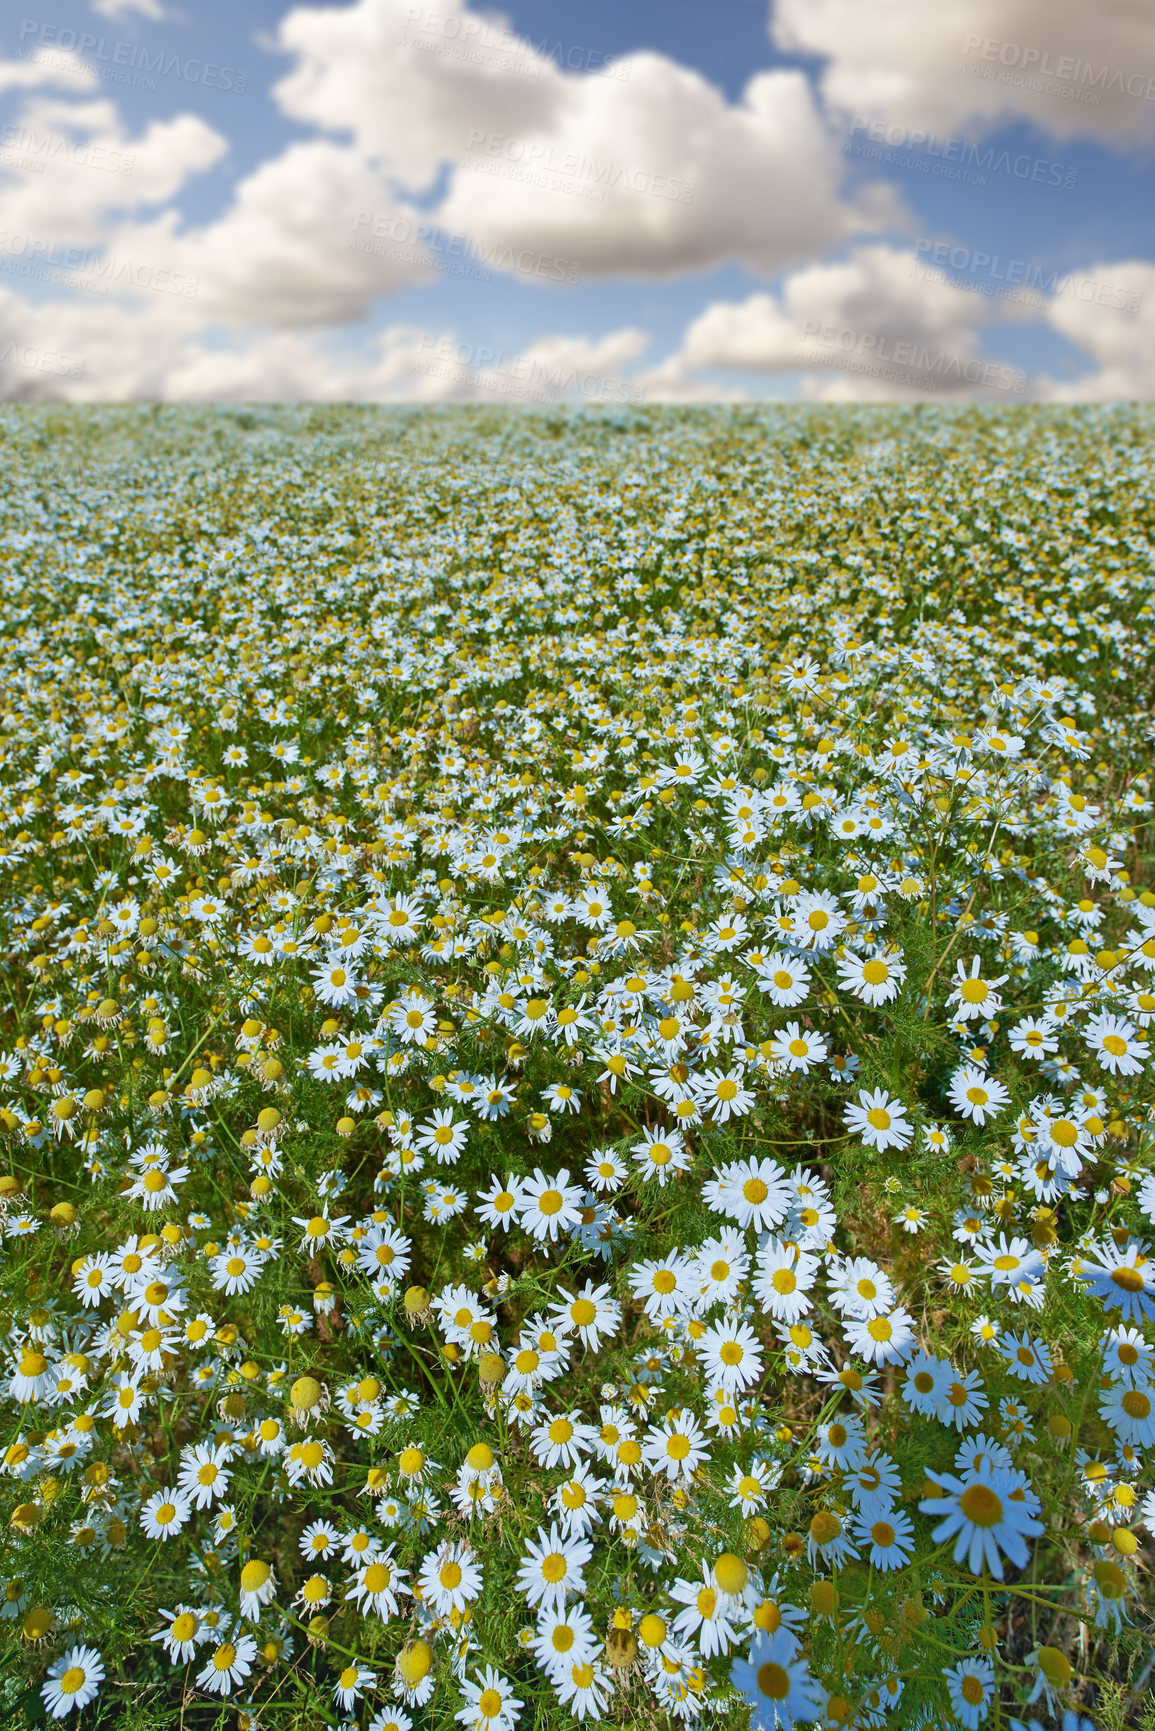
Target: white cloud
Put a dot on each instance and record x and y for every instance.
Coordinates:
(1120, 338)
(72, 164)
(1077, 71)
(56, 66)
(296, 246)
(91, 350)
(402, 86)
(878, 324)
(318, 234)
(117, 9)
(101, 351)
(658, 174)
(440, 367)
(671, 381)
(566, 368)
(114, 354)
(312, 236)
(641, 169)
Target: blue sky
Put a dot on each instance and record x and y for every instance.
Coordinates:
(802, 200)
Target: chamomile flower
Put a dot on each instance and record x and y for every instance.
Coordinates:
(1113, 1041)
(1130, 1412)
(1128, 1358)
(590, 1312)
(776, 1681)
(1033, 1037)
(731, 1355)
(183, 1632)
(970, 1686)
(798, 1049)
(549, 1205)
(709, 1616)
(351, 1685)
(660, 1155)
(258, 1587)
(605, 1171)
(963, 1400)
(925, 1382)
(985, 1516)
(489, 1703)
(576, 1499)
(975, 1095)
(553, 1567)
(974, 996)
(500, 1205)
(875, 979)
(1123, 1280)
(236, 1270)
(860, 1288)
(878, 1118)
(752, 1192)
(1027, 1359)
(1010, 1261)
(676, 1447)
(887, 1338)
(450, 1578)
(785, 979)
(750, 1487)
(227, 1664)
(164, 1513)
(887, 1538)
(723, 1095)
(583, 1688)
(204, 1476)
(562, 1440)
(73, 1681)
(874, 1485)
(565, 1638)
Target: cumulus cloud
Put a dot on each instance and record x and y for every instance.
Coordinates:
(658, 174)
(424, 114)
(1108, 312)
(877, 324)
(118, 9)
(294, 247)
(72, 165)
(1077, 71)
(93, 350)
(430, 366)
(639, 169)
(109, 352)
(409, 81)
(59, 67)
(101, 351)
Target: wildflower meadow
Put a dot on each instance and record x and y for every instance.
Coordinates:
(576, 1108)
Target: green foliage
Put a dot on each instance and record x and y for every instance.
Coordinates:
(415, 695)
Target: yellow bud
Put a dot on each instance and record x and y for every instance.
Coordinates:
(305, 1393)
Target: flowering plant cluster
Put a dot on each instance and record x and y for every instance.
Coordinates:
(575, 1089)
